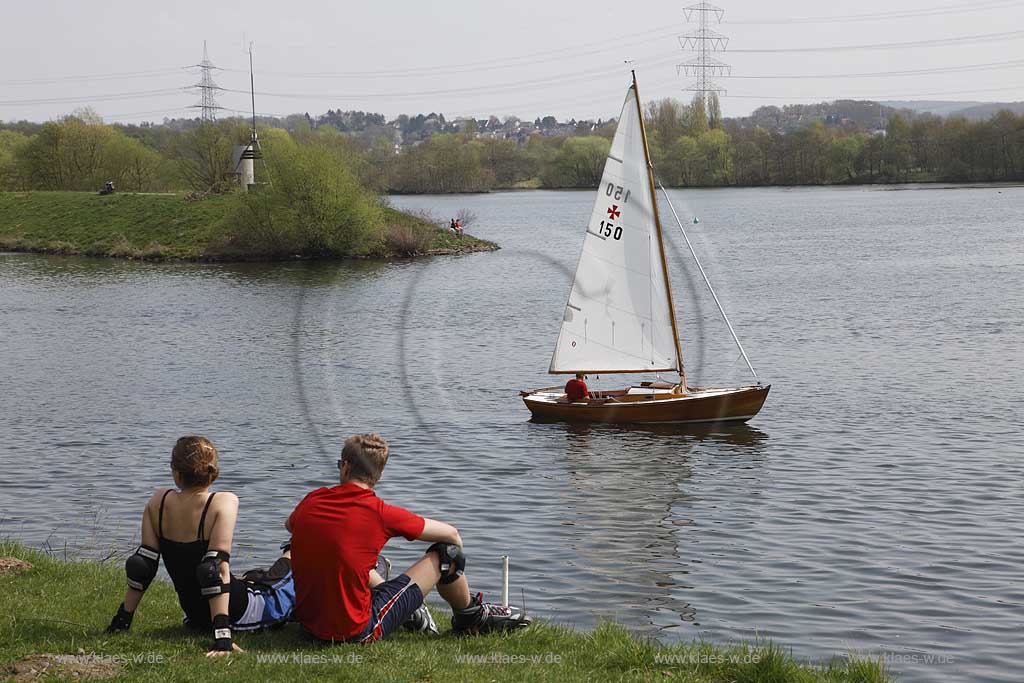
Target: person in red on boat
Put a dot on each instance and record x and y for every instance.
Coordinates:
(337, 536)
(576, 388)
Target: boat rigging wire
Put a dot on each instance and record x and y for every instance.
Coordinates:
(707, 281)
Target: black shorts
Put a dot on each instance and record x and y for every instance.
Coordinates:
(391, 604)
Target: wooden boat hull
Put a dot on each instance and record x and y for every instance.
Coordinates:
(708, 405)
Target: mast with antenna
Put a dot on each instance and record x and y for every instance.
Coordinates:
(254, 151)
(252, 91)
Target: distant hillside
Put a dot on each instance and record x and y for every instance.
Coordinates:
(864, 114)
(976, 111)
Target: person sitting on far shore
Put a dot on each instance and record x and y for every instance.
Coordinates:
(576, 388)
(452, 226)
(192, 528)
(337, 536)
(458, 227)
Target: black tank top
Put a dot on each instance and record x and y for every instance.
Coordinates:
(181, 560)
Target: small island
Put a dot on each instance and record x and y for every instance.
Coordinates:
(172, 226)
(219, 192)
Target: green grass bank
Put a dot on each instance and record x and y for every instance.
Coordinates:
(52, 617)
(168, 227)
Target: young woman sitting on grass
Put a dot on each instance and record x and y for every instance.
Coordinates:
(192, 528)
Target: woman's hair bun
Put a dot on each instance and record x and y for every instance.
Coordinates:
(194, 458)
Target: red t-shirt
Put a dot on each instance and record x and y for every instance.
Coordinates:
(576, 389)
(337, 534)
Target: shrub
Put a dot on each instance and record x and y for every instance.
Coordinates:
(467, 217)
(405, 239)
(314, 207)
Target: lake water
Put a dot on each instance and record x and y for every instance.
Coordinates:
(876, 505)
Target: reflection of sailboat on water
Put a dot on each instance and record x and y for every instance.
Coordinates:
(620, 317)
(739, 436)
(633, 504)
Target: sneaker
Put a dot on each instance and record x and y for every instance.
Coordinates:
(383, 567)
(484, 617)
(421, 621)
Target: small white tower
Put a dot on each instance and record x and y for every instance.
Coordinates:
(247, 164)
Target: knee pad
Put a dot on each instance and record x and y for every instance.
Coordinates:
(208, 574)
(141, 567)
(450, 555)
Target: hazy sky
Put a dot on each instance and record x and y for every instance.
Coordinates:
(126, 59)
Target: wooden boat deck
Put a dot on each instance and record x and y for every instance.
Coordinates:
(650, 404)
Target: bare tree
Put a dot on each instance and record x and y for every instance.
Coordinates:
(466, 217)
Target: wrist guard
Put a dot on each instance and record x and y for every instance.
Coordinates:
(222, 633)
(122, 621)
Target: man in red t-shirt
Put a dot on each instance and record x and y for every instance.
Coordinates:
(576, 388)
(337, 536)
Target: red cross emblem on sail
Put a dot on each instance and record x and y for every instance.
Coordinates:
(614, 212)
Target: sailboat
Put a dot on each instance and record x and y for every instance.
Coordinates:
(620, 317)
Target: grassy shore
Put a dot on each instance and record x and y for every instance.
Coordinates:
(167, 227)
(52, 617)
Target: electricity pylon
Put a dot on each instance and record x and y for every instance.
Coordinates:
(207, 89)
(704, 41)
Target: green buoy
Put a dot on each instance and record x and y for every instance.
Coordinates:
(696, 220)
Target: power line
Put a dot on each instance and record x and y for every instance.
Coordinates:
(991, 66)
(578, 76)
(154, 112)
(518, 61)
(630, 39)
(511, 87)
(94, 98)
(599, 48)
(594, 73)
(592, 48)
(883, 16)
(575, 76)
(504, 87)
(877, 97)
(956, 40)
(94, 77)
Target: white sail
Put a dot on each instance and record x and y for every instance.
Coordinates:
(618, 317)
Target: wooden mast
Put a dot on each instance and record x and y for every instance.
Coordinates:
(661, 242)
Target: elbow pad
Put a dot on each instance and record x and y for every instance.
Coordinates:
(450, 555)
(141, 567)
(208, 574)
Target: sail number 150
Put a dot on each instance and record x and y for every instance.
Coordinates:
(617, 192)
(609, 230)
